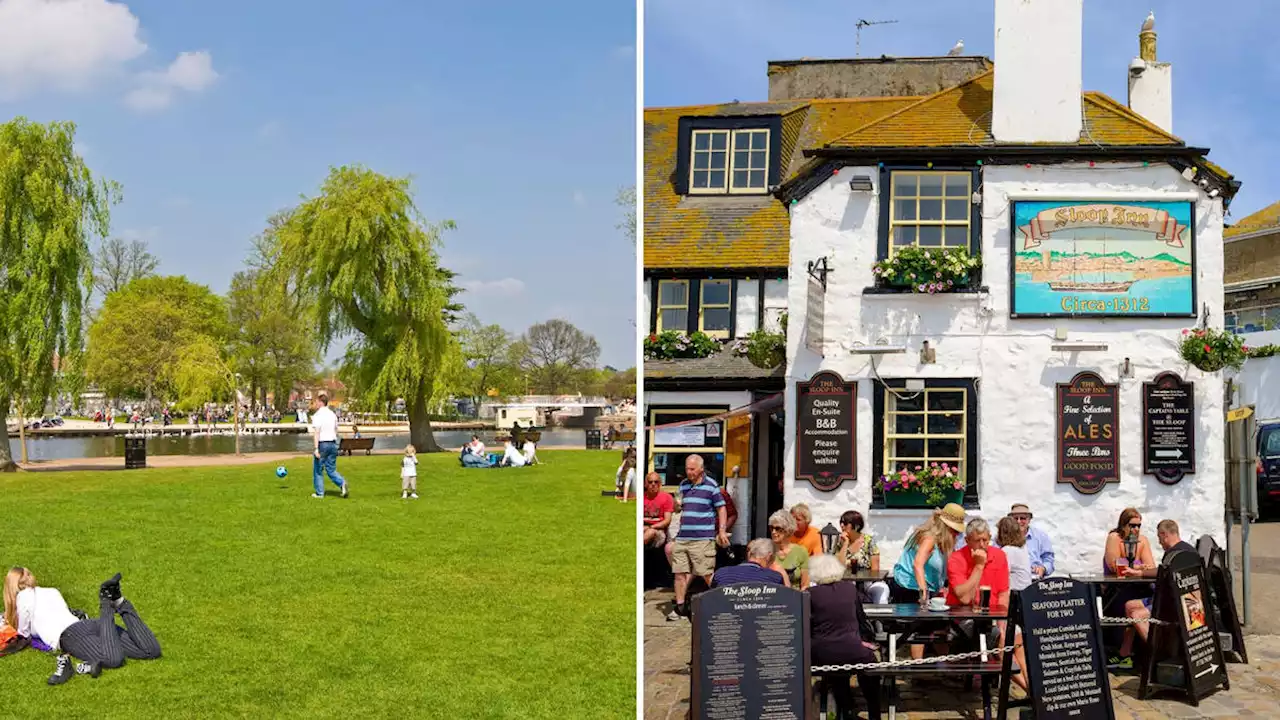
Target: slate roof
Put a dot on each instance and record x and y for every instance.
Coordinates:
(1268, 218)
(722, 365)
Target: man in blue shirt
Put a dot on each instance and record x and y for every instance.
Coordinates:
(702, 527)
(760, 554)
(1039, 547)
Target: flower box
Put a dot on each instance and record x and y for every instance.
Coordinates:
(916, 499)
(928, 270)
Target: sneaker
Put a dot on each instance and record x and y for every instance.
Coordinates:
(344, 489)
(675, 613)
(317, 495)
(64, 671)
(110, 590)
(91, 669)
(1120, 663)
(404, 496)
(413, 495)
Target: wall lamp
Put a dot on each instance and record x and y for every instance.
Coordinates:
(861, 182)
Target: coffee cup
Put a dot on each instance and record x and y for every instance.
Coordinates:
(938, 603)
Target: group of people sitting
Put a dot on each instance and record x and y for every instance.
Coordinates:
(39, 617)
(475, 455)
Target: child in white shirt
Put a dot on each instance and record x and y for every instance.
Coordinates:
(409, 473)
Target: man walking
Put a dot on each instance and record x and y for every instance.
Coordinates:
(324, 424)
(702, 527)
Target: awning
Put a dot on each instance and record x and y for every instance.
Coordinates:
(767, 403)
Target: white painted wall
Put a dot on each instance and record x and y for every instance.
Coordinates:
(1038, 53)
(975, 338)
(1258, 382)
(747, 318)
(1151, 94)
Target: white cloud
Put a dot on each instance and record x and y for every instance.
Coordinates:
(579, 198)
(506, 287)
(190, 72)
(63, 44)
(269, 129)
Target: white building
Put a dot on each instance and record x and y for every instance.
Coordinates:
(1020, 167)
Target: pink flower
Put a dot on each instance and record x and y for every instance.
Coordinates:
(1185, 331)
(1207, 349)
(958, 485)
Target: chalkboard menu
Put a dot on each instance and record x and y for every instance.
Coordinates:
(1168, 428)
(1189, 640)
(1062, 639)
(1088, 433)
(826, 430)
(751, 654)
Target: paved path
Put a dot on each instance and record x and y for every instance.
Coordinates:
(1255, 688)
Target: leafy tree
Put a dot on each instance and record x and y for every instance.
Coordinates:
(120, 262)
(51, 206)
(555, 354)
(621, 385)
(142, 330)
(362, 253)
(201, 374)
(488, 364)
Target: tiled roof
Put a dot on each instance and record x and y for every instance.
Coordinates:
(1268, 218)
(739, 231)
(722, 365)
(961, 116)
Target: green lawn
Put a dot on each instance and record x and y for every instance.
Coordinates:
(503, 593)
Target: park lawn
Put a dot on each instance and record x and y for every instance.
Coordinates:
(504, 593)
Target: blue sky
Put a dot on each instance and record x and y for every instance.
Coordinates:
(515, 119)
(1224, 65)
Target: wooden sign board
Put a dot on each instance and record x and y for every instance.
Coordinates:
(751, 654)
(1088, 427)
(1062, 642)
(1168, 428)
(1186, 646)
(1223, 600)
(826, 430)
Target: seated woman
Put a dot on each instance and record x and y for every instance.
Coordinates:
(1126, 548)
(835, 612)
(922, 567)
(858, 551)
(530, 452)
(626, 475)
(511, 457)
(1012, 540)
(99, 643)
(792, 559)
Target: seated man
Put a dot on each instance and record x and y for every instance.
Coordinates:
(658, 507)
(979, 567)
(1170, 538)
(760, 555)
(530, 452)
(511, 457)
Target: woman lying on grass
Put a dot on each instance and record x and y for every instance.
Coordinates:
(41, 612)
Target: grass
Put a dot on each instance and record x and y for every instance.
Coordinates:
(499, 594)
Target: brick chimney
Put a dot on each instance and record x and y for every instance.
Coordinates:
(1039, 53)
(1151, 82)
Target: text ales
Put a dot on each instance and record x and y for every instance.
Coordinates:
(1088, 427)
(1168, 428)
(826, 426)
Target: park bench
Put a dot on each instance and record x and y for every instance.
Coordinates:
(349, 444)
(621, 436)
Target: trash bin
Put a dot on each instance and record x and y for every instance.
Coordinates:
(135, 453)
(593, 439)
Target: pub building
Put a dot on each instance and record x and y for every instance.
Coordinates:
(1079, 238)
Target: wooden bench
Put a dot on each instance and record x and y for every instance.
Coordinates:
(349, 444)
(989, 672)
(622, 436)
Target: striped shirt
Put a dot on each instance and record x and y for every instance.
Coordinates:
(698, 505)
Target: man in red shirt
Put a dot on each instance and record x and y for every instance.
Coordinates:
(980, 565)
(658, 507)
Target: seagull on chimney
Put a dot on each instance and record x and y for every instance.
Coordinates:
(958, 49)
(1150, 22)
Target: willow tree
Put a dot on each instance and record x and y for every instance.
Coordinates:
(50, 206)
(368, 261)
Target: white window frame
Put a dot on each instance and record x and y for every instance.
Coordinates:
(729, 188)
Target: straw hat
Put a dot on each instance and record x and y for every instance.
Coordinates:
(952, 516)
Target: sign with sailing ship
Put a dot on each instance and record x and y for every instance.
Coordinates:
(1102, 259)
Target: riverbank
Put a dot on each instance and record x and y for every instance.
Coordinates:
(89, 428)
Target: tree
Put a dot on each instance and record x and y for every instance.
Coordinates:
(142, 330)
(201, 374)
(51, 206)
(119, 263)
(486, 352)
(363, 254)
(621, 385)
(555, 354)
(627, 201)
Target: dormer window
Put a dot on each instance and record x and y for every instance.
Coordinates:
(713, 169)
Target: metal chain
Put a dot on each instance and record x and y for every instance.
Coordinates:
(1133, 621)
(905, 663)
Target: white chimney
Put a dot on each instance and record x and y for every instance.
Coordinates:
(1039, 53)
(1151, 82)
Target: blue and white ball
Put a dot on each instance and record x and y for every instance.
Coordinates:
(281, 472)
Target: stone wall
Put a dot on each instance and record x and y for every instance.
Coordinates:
(1252, 258)
(869, 77)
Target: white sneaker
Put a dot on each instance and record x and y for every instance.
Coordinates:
(404, 496)
(317, 495)
(413, 495)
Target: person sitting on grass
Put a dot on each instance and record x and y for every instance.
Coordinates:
(760, 556)
(99, 643)
(626, 475)
(530, 452)
(409, 473)
(511, 457)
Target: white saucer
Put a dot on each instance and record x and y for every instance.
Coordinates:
(944, 608)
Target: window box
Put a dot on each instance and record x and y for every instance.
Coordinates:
(915, 498)
(929, 270)
(929, 210)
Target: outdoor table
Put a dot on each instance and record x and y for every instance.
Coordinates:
(867, 576)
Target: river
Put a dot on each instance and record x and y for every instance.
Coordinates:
(60, 448)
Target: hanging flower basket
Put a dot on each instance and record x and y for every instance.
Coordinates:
(931, 485)
(672, 344)
(1211, 350)
(927, 270)
(766, 350)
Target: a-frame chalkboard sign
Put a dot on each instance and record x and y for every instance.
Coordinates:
(1062, 643)
(1185, 652)
(1222, 597)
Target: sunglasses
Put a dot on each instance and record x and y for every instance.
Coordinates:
(1135, 526)
(1021, 516)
